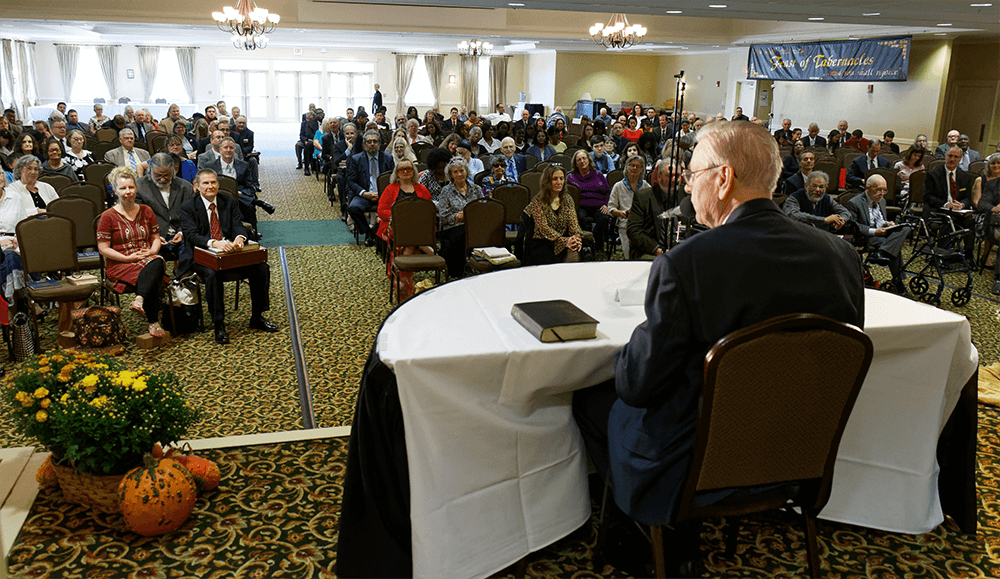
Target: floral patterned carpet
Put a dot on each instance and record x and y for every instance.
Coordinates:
(276, 512)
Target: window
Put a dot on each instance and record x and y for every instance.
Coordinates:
(349, 84)
(420, 93)
(89, 82)
(168, 83)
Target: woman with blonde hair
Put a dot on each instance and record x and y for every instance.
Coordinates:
(401, 150)
(402, 185)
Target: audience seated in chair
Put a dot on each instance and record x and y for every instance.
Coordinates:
(227, 164)
(869, 216)
(451, 203)
(813, 206)
(363, 170)
(557, 236)
(860, 165)
(164, 193)
(949, 188)
(127, 155)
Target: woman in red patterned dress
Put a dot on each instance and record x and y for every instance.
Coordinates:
(129, 240)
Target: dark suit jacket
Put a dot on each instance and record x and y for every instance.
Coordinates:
(858, 206)
(148, 193)
(146, 128)
(794, 183)
(243, 179)
(937, 192)
(644, 230)
(448, 126)
(820, 141)
(244, 140)
(708, 286)
(520, 162)
(787, 134)
(197, 230)
(358, 176)
(859, 166)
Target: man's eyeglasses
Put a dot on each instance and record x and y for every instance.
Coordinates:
(371, 141)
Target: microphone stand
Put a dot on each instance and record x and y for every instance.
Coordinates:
(670, 190)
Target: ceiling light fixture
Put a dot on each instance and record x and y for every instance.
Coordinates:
(984, 5)
(515, 4)
(872, 14)
(675, 11)
(618, 34)
(475, 48)
(816, 18)
(248, 24)
(945, 24)
(717, 6)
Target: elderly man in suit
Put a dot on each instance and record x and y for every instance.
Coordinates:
(861, 165)
(642, 427)
(140, 126)
(173, 116)
(341, 156)
(812, 137)
(951, 140)
(210, 220)
(949, 188)
(362, 189)
(165, 193)
(868, 213)
(784, 133)
(227, 164)
(516, 163)
(127, 155)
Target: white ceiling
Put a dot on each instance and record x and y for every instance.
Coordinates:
(742, 22)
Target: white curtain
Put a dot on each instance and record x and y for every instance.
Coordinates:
(67, 56)
(498, 81)
(404, 74)
(185, 61)
(149, 57)
(435, 68)
(8, 77)
(108, 57)
(32, 74)
(470, 82)
(22, 64)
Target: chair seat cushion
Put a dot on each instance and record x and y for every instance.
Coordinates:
(418, 262)
(64, 292)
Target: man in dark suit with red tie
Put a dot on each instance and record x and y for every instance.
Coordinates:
(213, 221)
(362, 189)
(948, 187)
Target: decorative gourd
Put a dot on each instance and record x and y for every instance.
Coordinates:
(205, 472)
(157, 498)
(46, 475)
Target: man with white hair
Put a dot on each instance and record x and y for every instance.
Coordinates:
(140, 127)
(951, 141)
(813, 138)
(868, 213)
(641, 427)
(127, 155)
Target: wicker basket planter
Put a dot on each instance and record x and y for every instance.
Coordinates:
(100, 493)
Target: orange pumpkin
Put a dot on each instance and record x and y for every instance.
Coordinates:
(46, 475)
(205, 472)
(157, 498)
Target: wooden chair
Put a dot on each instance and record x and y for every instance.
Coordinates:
(86, 190)
(769, 429)
(414, 224)
(571, 140)
(515, 197)
(848, 158)
(101, 149)
(832, 169)
(57, 181)
(106, 135)
(47, 245)
(484, 227)
(83, 212)
(478, 178)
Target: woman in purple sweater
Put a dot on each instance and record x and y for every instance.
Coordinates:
(594, 194)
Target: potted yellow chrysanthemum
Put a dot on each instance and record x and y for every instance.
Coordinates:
(96, 417)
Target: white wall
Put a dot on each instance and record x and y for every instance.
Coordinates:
(540, 77)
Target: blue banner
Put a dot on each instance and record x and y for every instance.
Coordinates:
(870, 59)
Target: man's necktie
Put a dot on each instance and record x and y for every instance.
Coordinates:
(952, 186)
(871, 163)
(131, 160)
(511, 170)
(214, 222)
(373, 171)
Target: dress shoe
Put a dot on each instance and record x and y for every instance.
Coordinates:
(299, 167)
(221, 337)
(996, 289)
(369, 240)
(899, 287)
(307, 173)
(264, 205)
(259, 323)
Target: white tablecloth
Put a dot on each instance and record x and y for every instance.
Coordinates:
(497, 467)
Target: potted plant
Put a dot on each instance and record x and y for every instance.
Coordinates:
(97, 417)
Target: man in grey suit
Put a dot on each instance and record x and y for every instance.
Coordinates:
(206, 159)
(868, 212)
(140, 126)
(127, 155)
(164, 194)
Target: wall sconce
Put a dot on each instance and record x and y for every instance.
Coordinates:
(451, 79)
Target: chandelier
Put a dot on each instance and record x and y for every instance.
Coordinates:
(475, 48)
(618, 33)
(248, 24)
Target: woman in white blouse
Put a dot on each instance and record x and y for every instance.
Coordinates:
(34, 193)
(12, 210)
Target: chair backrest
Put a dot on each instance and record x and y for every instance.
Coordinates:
(82, 211)
(484, 223)
(88, 191)
(978, 168)
(933, 163)
(423, 153)
(414, 221)
(57, 181)
(478, 179)
(228, 184)
(124, 100)
(917, 186)
(161, 101)
(765, 421)
(892, 181)
(101, 149)
(571, 140)
(891, 157)
(515, 197)
(530, 161)
(97, 173)
(842, 151)
(818, 151)
(106, 135)
(832, 169)
(157, 141)
(47, 243)
(574, 192)
(563, 159)
(382, 181)
(848, 158)
(615, 176)
(418, 147)
(532, 180)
